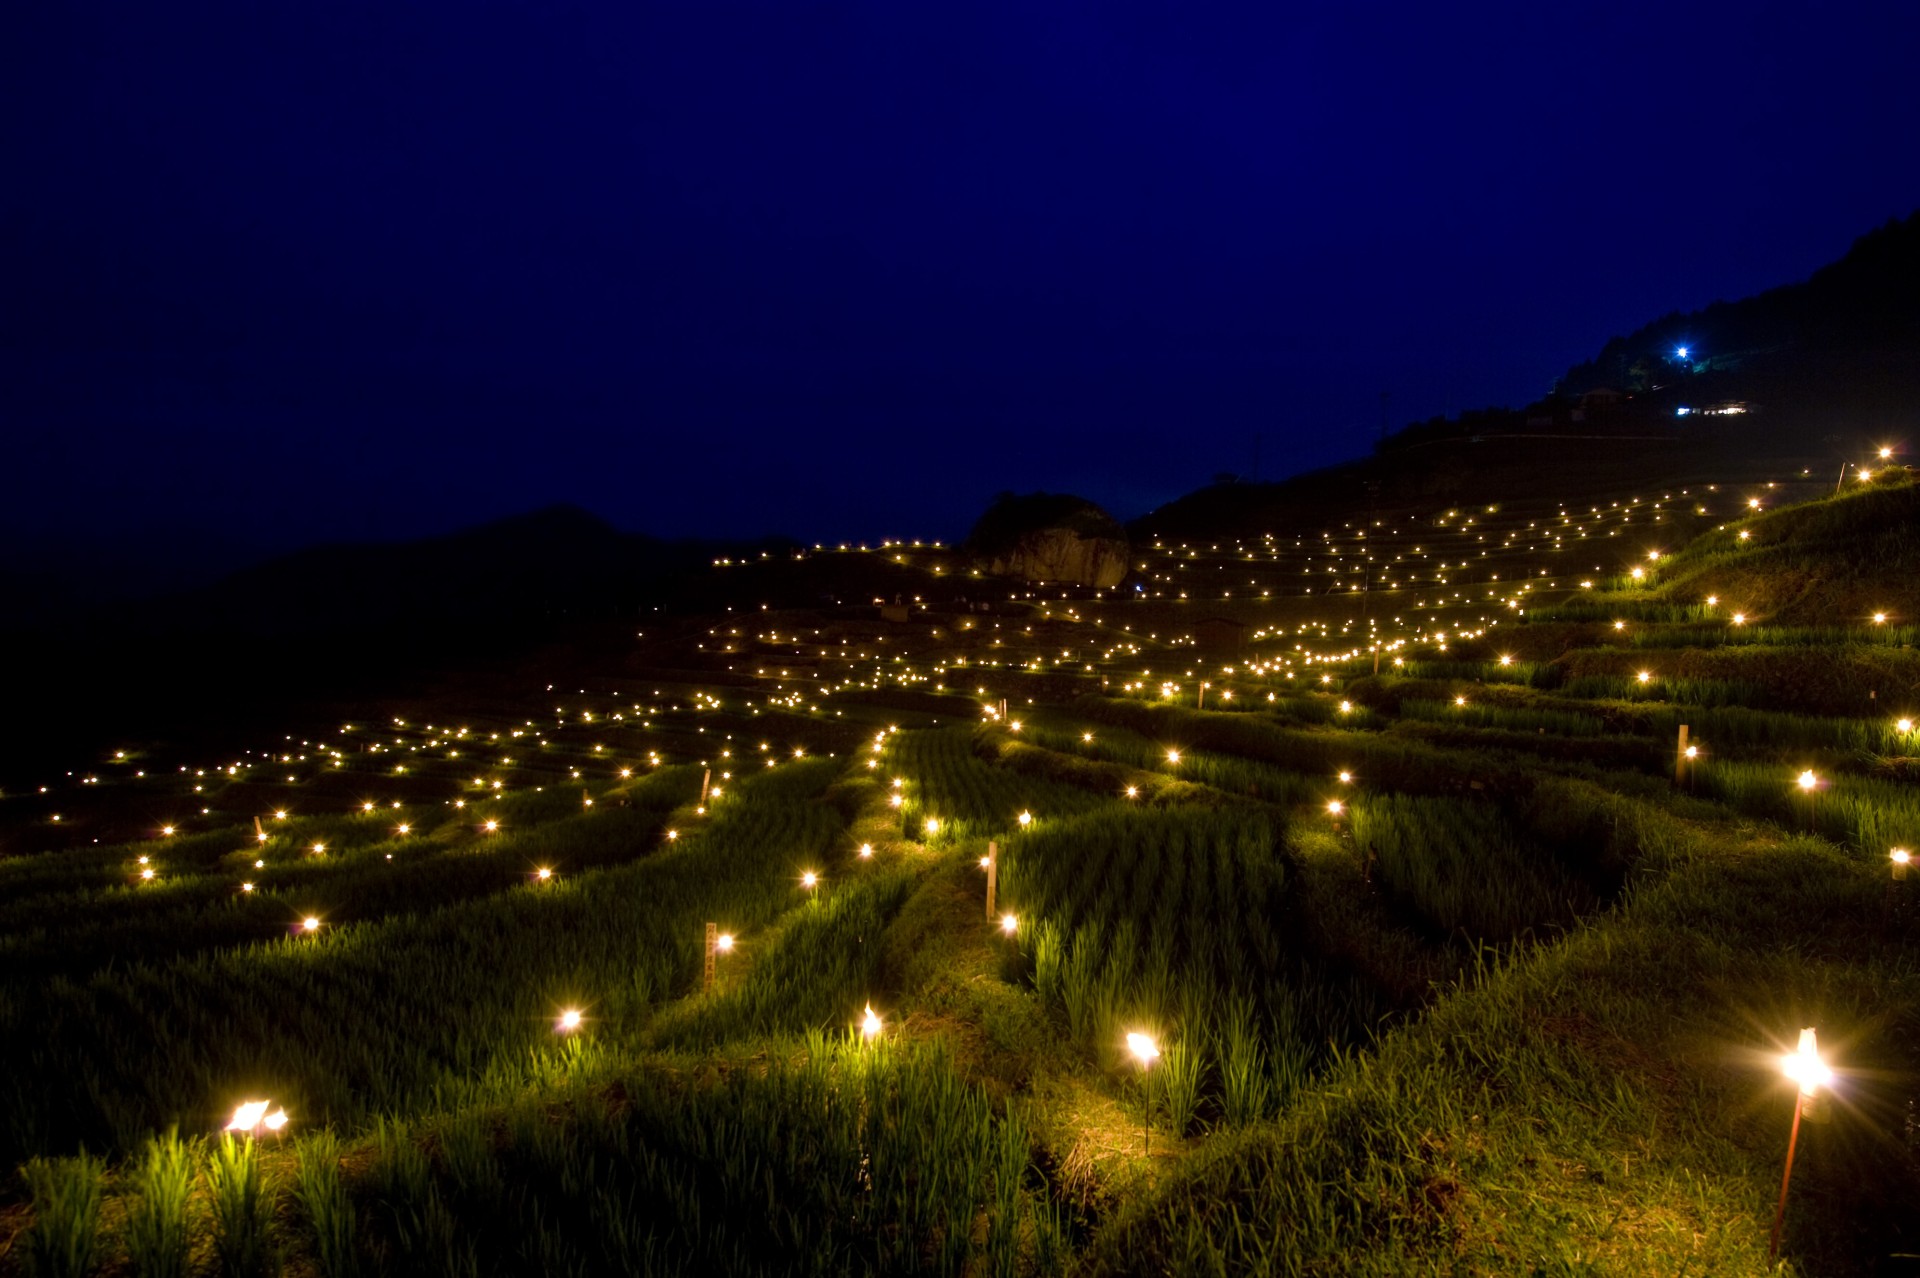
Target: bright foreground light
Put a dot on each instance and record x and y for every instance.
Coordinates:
(866, 851)
(543, 874)
(870, 1024)
(252, 1116)
(1804, 1066)
(310, 924)
(1807, 780)
(1335, 807)
(1901, 856)
(1144, 1049)
(1904, 725)
(724, 942)
(933, 825)
(1026, 819)
(569, 1021)
(1009, 924)
(809, 879)
(1173, 756)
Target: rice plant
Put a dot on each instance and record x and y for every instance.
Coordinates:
(65, 1234)
(157, 1227)
(242, 1204)
(321, 1194)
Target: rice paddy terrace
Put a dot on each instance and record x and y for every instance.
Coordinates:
(1459, 875)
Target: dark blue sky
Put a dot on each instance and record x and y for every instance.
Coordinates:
(285, 272)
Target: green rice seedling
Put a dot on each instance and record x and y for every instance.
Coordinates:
(322, 1195)
(1012, 1155)
(156, 1229)
(1246, 1091)
(1182, 1074)
(242, 1202)
(65, 1234)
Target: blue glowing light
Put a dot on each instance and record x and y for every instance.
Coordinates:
(1682, 352)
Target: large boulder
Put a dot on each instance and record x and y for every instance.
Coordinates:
(1051, 537)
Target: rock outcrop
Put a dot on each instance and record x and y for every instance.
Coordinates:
(1051, 538)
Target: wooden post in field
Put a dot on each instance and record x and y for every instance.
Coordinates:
(706, 779)
(1376, 661)
(713, 948)
(993, 875)
(1680, 757)
(1201, 704)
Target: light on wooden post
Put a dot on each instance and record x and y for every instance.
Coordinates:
(993, 874)
(1803, 1066)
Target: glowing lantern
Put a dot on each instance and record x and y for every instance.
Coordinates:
(870, 1024)
(1146, 1051)
(253, 1117)
(1009, 924)
(1807, 781)
(569, 1021)
(932, 826)
(1173, 756)
(1804, 1066)
(490, 826)
(543, 874)
(310, 924)
(866, 851)
(1026, 819)
(1133, 792)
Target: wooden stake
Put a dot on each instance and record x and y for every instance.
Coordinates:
(713, 949)
(706, 779)
(993, 875)
(1680, 757)
(1793, 1139)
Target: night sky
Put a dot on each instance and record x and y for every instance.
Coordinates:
(280, 273)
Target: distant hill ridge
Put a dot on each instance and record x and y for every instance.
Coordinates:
(1804, 375)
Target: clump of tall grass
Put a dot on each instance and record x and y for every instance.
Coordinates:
(66, 1215)
(242, 1199)
(322, 1196)
(157, 1227)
